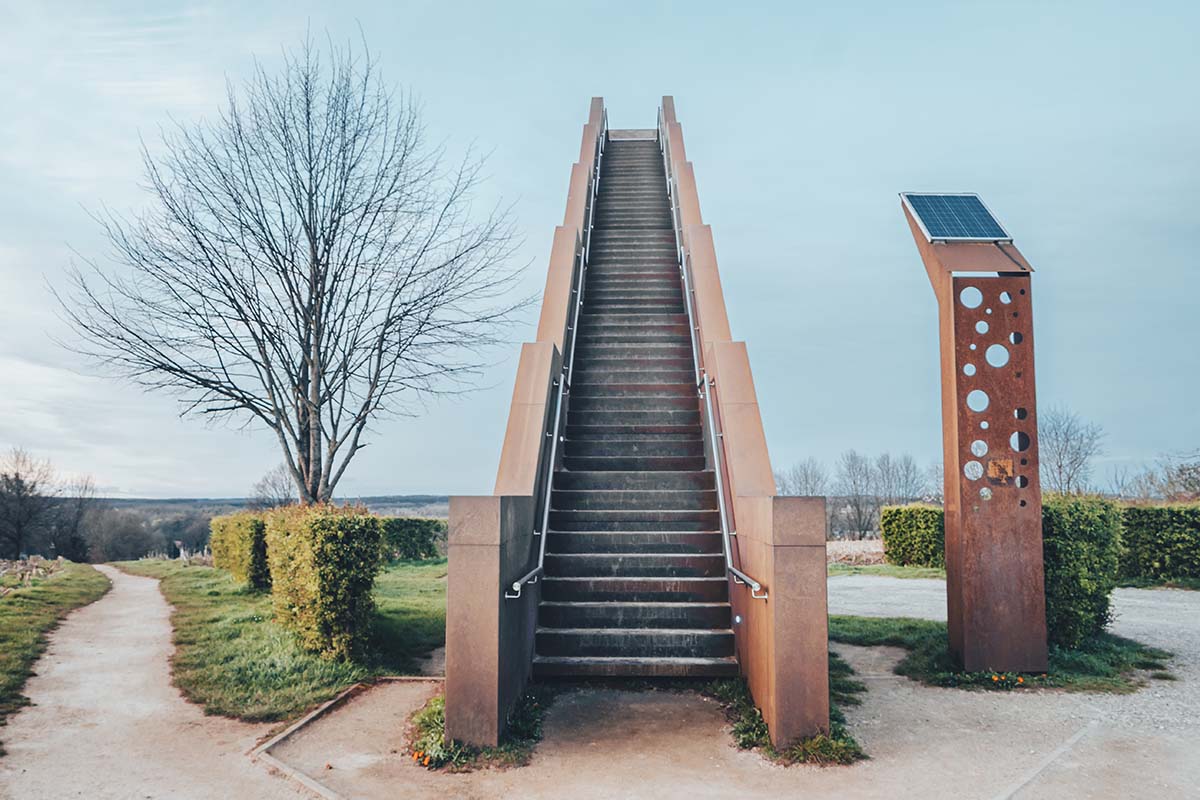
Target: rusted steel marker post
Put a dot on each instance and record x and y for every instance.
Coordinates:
(995, 588)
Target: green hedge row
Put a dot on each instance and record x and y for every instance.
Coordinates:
(913, 536)
(412, 538)
(323, 564)
(1081, 547)
(1161, 542)
(1081, 550)
(238, 544)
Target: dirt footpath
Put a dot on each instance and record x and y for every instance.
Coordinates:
(107, 723)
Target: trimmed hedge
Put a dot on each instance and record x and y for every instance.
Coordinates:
(913, 536)
(412, 538)
(323, 563)
(1081, 546)
(1162, 542)
(238, 543)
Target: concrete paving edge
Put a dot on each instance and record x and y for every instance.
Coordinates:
(262, 753)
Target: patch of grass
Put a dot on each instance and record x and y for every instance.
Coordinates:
(1103, 663)
(750, 730)
(234, 661)
(1160, 583)
(886, 570)
(427, 745)
(28, 615)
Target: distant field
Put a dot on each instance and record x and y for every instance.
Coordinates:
(397, 505)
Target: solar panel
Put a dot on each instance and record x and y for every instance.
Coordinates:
(954, 218)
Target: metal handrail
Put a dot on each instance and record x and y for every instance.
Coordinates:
(704, 382)
(563, 381)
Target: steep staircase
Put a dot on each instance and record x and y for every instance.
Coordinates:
(635, 579)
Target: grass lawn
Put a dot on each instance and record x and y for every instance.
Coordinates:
(886, 570)
(232, 659)
(27, 615)
(1106, 663)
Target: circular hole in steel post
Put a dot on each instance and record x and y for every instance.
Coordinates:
(977, 400)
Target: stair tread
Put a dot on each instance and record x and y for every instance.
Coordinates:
(636, 659)
(638, 631)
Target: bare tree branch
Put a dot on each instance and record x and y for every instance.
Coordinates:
(309, 264)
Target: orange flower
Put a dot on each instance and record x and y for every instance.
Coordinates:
(1020, 680)
(426, 761)
(995, 677)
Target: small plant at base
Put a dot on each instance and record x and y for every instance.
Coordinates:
(428, 746)
(749, 729)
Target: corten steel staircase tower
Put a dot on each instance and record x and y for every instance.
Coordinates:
(634, 528)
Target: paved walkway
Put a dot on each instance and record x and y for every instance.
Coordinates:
(924, 742)
(107, 723)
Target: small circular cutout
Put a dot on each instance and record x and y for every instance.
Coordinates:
(985, 493)
(987, 311)
(1019, 441)
(977, 400)
(1022, 482)
(972, 347)
(1005, 298)
(1020, 413)
(971, 297)
(1015, 337)
(981, 327)
(1022, 504)
(979, 448)
(997, 355)
(968, 370)
(984, 425)
(973, 470)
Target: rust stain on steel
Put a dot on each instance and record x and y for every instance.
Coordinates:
(994, 574)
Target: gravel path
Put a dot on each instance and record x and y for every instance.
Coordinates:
(924, 742)
(107, 723)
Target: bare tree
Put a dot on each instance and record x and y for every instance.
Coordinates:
(855, 485)
(898, 480)
(1067, 445)
(67, 535)
(807, 478)
(28, 489)
(936, 483)
(308, 263)
(275, 488)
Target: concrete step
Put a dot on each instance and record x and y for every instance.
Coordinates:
(635, 565)
(600, 316)
(623, 433)
(634, 499)
(635, 590)
(585, 376)
(661, 481)
(615, 667)
(634, 642)
(634, 615)
(608, 520)
(649, 445)
(611, 419)
(633, 463)
(643, 403)
(694, 542)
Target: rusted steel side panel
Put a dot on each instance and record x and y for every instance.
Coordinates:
(996, 528)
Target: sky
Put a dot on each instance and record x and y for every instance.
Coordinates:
(1076, 121)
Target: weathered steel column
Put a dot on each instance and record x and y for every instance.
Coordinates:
(993, 509)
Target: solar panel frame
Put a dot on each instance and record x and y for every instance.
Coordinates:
(906, 198)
